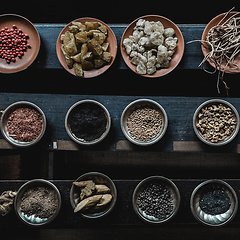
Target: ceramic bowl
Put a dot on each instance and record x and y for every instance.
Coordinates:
(167, 24)
(138, 104)
(98, 178)
(7, 20)
(82, 141)
(198, 132)
(206, 50)
(33, 220)
(4, 120)
(218, 219)
(111, 39)
(174, 192)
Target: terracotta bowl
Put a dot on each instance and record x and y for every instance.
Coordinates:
(111, 39)
(177, 55)
(7, 20)
(98, 178)
(205, 49)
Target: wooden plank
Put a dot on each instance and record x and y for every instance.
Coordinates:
(179, 136)
(47, 58)
(123, 213)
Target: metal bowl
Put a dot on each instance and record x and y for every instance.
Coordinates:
(199, 134)
(33, 220)
(173, 191)
(208, 219)
(138, 104)
(82, 141)
(98, 178)
(4, 120)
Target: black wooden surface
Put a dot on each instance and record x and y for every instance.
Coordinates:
(123, 213)
(179, 136)
(49, 33)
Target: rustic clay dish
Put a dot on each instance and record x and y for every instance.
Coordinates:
(205, 49)
(138, 104)
(177, 55)
(208, 219)
(173, 191)
(4, 120)
(82, 141)
(111, 39)
(7, 20)
(98, 178)
(198, 132)
(34, 221)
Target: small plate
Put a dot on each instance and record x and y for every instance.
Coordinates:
(167, 24)
(111, 39)
(205, 50)
(7, 20)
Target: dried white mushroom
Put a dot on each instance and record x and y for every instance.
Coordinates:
(171, 43)
(169, 32)
(141, 68)
(150, 47)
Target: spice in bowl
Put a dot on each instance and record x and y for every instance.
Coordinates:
(214, 202)
(88, 121)
(24, 124)
(144, 123)
(216, 122)
(39, 203)
(156, 202)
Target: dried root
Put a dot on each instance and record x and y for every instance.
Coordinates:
(223, 41)
(6, 202)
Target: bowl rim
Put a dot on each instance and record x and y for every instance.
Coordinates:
(156, 178)
(98, 71)
(37, 182)
(159, 135)
(168, 70)
(87, 176)
(220, 182)
(95, 141)
(212, 101)
(11, 108)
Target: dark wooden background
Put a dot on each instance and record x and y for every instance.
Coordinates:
(119, 165)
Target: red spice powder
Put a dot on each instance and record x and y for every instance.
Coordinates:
(24, 124)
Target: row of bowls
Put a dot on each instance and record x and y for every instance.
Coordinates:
(100, 178)
(125, 114)
(6, 20)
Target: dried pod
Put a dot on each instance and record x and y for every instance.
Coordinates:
(102, 189)
(87, 191)
(82, 183)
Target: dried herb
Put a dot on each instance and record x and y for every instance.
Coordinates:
(223, 42)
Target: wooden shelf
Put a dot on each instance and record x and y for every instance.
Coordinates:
(123, 213)
(49, 33)
(180, 136)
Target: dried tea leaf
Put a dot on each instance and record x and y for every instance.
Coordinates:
(102, 189)
(78, 69)
(91, 25)
(68, 59)
(81, 37)
(82, 183)
(87, 203)
(69, 43)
